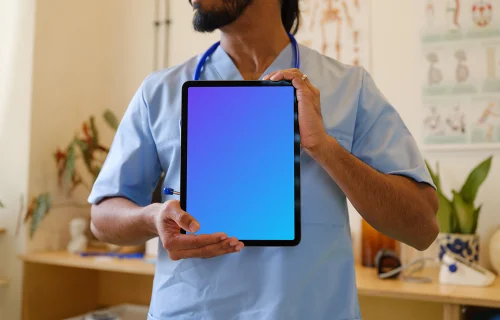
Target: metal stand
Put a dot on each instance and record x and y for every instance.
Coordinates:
(161, 25)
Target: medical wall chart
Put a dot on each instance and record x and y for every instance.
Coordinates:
(461, 81)
(337, 28)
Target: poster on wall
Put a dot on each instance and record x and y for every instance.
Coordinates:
(337, 28)
(460, 44)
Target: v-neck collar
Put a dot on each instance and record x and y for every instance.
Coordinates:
(225, 68)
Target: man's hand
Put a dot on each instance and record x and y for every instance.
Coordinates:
(396, 206)
(312, 131)
(172, 218)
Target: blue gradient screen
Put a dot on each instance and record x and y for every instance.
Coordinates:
(240, 161)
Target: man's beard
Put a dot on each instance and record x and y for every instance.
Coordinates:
(208, 21)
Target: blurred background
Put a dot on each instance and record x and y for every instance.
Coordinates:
(68, 70)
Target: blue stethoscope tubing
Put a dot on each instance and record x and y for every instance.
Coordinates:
(211, 50)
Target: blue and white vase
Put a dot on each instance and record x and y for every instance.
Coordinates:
(464, 245)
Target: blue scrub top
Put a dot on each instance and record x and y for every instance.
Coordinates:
(314, 280)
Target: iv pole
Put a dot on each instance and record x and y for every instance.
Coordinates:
(158, 23)
(167, 33)
(157, 65)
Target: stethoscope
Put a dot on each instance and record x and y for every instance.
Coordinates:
(201, 64)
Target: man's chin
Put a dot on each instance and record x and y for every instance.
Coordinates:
(205, 23)
(203, 28)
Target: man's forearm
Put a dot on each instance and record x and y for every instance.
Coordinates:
(121, 222)
(392, 204)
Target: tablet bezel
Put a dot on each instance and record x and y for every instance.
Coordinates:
(184, 155)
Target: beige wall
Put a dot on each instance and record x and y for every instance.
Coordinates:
(16, 53)
(184, 41)
(89, 56)
(397, 70)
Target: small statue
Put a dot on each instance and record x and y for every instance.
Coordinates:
(78, 241)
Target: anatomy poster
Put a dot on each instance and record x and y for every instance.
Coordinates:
(337, 28)
(461, 80)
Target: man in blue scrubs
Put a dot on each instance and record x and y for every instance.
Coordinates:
(355, 145)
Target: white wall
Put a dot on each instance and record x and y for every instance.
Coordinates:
(89, 56)
(397, 70)
(395, 65)
(59, 64)
(16, 52)
(184, 41)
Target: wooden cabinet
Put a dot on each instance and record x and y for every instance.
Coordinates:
(59, 285)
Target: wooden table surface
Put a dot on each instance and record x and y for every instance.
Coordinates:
(367, 282)
(134, 266)
(369, 285)
(3, 282)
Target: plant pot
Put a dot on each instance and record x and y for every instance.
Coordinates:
(464, 245)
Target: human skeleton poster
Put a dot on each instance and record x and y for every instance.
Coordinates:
(337, 28)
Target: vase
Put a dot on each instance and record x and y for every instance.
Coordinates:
(495, 251)
(372, 241)
(464, 245)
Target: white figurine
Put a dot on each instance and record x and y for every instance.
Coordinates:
(78, 241)
(495, 251)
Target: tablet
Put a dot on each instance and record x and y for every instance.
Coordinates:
(240, 160)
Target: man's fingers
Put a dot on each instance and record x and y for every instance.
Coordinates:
(267, 77)
(291, 75)
(227, 246)
(182, 218)
(191, 241)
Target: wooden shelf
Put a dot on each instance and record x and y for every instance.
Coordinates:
(368, 284)
(134, 266)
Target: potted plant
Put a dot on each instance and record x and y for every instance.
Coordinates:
(84, 147)
(458, 215)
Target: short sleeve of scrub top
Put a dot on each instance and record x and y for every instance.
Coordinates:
(381, 138)
(132, 169)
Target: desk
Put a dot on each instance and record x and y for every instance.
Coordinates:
(4, 282)
(58, 285)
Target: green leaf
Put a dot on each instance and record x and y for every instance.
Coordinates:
(464, 214)
(434, 175)
(474, 181)
(111, 119)
(455, 228)
(69, 170)
(476, 218)
(86, 153)
(97, 170)
(43, 205)
(93, 132)
(445, 215)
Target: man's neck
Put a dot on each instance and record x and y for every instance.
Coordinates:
(255, 40)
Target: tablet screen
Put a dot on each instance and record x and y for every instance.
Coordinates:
(240, 161)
